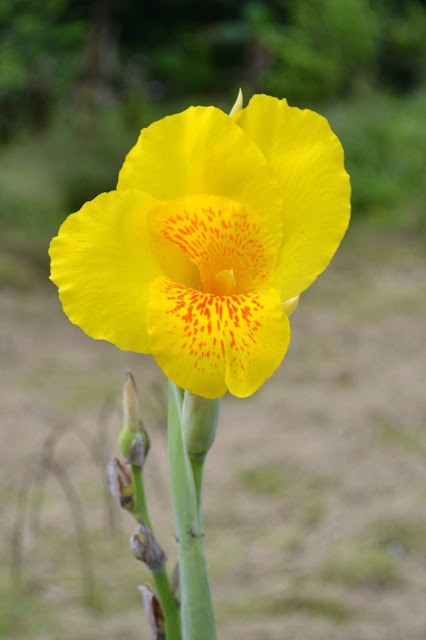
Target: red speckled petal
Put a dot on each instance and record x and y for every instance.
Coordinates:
(207, 343)
(216, 234)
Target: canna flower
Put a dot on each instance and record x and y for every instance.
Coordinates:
(217, 225)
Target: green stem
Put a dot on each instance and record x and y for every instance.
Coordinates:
(140, 510)
(196, 604)
(168, 604)
(197, 465)
(162, 584)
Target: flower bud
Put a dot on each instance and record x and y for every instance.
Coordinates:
(120, 484)
(138, 450)
(199, 421)
(145, 548)
(133, 439)
(154, 612)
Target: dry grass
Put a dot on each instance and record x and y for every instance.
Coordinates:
(315, 488)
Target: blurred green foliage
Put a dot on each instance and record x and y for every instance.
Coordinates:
(385, 141)
(79, 79)
(34, 44)
(318, 50)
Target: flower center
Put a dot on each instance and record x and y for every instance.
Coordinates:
(213, 244)
(223, 283)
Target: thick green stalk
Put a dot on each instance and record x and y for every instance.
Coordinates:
(197, 465)
(162, 585)
(196, 604)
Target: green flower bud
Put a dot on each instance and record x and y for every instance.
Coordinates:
(199, 418)
(133, 440)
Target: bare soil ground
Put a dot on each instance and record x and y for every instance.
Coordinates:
(315, 488)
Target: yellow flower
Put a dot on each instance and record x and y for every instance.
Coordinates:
(217, 223)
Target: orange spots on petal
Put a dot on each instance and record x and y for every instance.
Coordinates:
(218, 235)
(212, 335)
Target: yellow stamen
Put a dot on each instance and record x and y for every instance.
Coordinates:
(223, 284)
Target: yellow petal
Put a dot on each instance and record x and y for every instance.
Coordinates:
(202, 150)
(259, 343)
(217, 235)
(207, 343)
(103, 264)
(307, 159)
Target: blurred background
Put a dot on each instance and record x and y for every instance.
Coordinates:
(315, 523)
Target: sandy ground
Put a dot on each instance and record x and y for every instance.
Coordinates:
(315, 488)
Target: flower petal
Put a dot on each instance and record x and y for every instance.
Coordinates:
(307, 159)
(103, 264)
(238, 104)
(216, 234)
(207, 343)
(202, 150)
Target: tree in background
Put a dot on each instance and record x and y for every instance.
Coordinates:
(103, 51)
